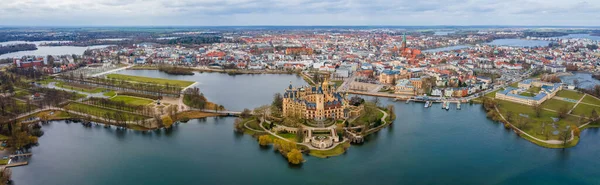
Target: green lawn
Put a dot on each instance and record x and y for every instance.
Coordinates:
(3, 161)
(535, 127)
(515, 85)
(591, 100)
(555, 104)
(288, 136)
(3, 137)
(569, 94)
(335, 151)
(585, 109)
(141, 79)
(338, 83)
(99, 112)
(493, 93)
(527, 94)
(534, 90)
(110, 93)
(82, 89)
(132, 100)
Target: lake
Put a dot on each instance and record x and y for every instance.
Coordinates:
(449, 48)
(518, 42)
(580, 36)
(423, 146)
(47, 50)
(585, 80)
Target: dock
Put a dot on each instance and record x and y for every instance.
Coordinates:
(20, 155)
(17, 164)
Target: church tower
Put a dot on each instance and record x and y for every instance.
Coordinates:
(404, 41)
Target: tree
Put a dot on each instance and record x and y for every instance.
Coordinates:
(238, 125)
(563, 112)
(261, 111)
(277, 101)
(167, 121)
(246, 113)
(300, 134)
(295, 157)
(576, 83)
(565, 135)
(594, 116)
(537, 109)
(509, 116)
(264, 140)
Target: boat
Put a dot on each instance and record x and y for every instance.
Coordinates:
(443, 105)
(427, 104)
(458, 105)
(447, 105)
(408, 101)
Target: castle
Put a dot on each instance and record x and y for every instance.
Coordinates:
(316, 102)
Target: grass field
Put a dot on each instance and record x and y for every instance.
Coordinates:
(110, 93)
(337, 150)
(141, 79)
(536, 125)
(99, 112)
(591, 100)
(585, 109)
(132, 100)
(77, 87)
(289, 136)
(569, 94)
(555, 104)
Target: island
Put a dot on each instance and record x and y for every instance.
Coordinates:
(316, 120)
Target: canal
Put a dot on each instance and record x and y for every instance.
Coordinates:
(423, 146)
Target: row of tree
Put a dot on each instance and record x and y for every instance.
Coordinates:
(16, 47)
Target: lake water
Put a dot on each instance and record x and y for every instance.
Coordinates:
(581, 36)
(47, 50)
(585, 80)
(423, 146)
(449, 48)
(518, 42)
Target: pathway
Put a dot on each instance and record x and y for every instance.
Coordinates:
(81, 114)
(98, 95)
(111, 71)
(577, 103)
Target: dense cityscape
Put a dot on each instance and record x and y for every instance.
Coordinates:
(157, 105)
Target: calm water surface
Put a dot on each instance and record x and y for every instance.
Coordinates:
(47, 50)
(423, 146)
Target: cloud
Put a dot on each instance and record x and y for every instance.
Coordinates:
(299, 12)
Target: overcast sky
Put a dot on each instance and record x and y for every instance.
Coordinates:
(298, 12)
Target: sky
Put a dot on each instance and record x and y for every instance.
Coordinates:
(298, 12)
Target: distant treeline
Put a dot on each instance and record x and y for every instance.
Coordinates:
(195, 40)
(16, 47)
(176, 70)
(544, 34)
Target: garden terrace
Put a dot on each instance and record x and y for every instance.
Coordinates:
(104, 112)
(121, 105)
(131, 100)
(127, 86)
(139, 79)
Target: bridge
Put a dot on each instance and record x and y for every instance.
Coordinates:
(226, 112)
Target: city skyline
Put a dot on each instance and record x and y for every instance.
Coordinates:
(297, 13)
